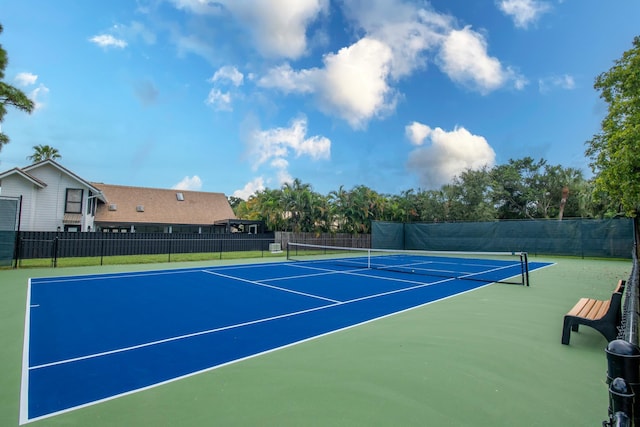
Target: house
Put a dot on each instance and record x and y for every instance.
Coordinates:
(52, 197)
(55, 199)
(138, 209)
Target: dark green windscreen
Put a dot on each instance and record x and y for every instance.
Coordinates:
(591, 238)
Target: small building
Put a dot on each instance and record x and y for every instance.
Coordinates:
(241, 226)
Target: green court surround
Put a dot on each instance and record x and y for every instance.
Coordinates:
(491, 357)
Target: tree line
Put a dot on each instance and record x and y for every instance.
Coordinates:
(521, 189)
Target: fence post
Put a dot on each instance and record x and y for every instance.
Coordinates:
(16, 249)
(55, 252)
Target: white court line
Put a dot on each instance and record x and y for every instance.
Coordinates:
(323, 272)
(253, 282)
(24, 382)
(112, 276)
(108, 276)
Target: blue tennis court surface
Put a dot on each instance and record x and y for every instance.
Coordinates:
(93, 338)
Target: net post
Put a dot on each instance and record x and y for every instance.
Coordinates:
(524, 263)
(369, 258)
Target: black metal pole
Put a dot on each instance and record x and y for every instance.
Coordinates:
(16, 249)
(55, 252)
(102, 249)
(636, 236)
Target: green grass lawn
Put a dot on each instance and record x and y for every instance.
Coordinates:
(146, 259)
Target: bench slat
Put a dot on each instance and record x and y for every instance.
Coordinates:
(578, 307)
(586, 307)
(591, 309)
(604, 307)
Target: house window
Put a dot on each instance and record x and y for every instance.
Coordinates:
(73, 202)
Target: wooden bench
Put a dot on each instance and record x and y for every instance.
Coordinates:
(603, 316)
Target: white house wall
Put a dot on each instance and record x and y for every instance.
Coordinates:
(43, 208)
(51, 199)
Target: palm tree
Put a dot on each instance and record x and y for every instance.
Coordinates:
(339, 200)
(44, 152)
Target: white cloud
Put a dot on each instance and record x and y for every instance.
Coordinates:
(107, 40)
(523, 12)
(410, 32)
(37, 95)
(286, 79)
(193, 183)
(283, 177)
(447, 155)
(228, 73)
(280, 163)
(417, 132)
(354, 82)
(352, 85)
(519, 81)
(201, 7)
(279, 27)
(565, 82)
(465, 60)
(275, 146)
(192, 44)
(26, 79)
(220, 101)
(250, 188)
(278, 143)
(134, 31)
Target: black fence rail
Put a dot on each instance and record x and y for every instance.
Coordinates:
(55, 245)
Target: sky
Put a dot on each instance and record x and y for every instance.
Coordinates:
(236, 96)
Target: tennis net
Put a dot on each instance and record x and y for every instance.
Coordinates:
(499, 267)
